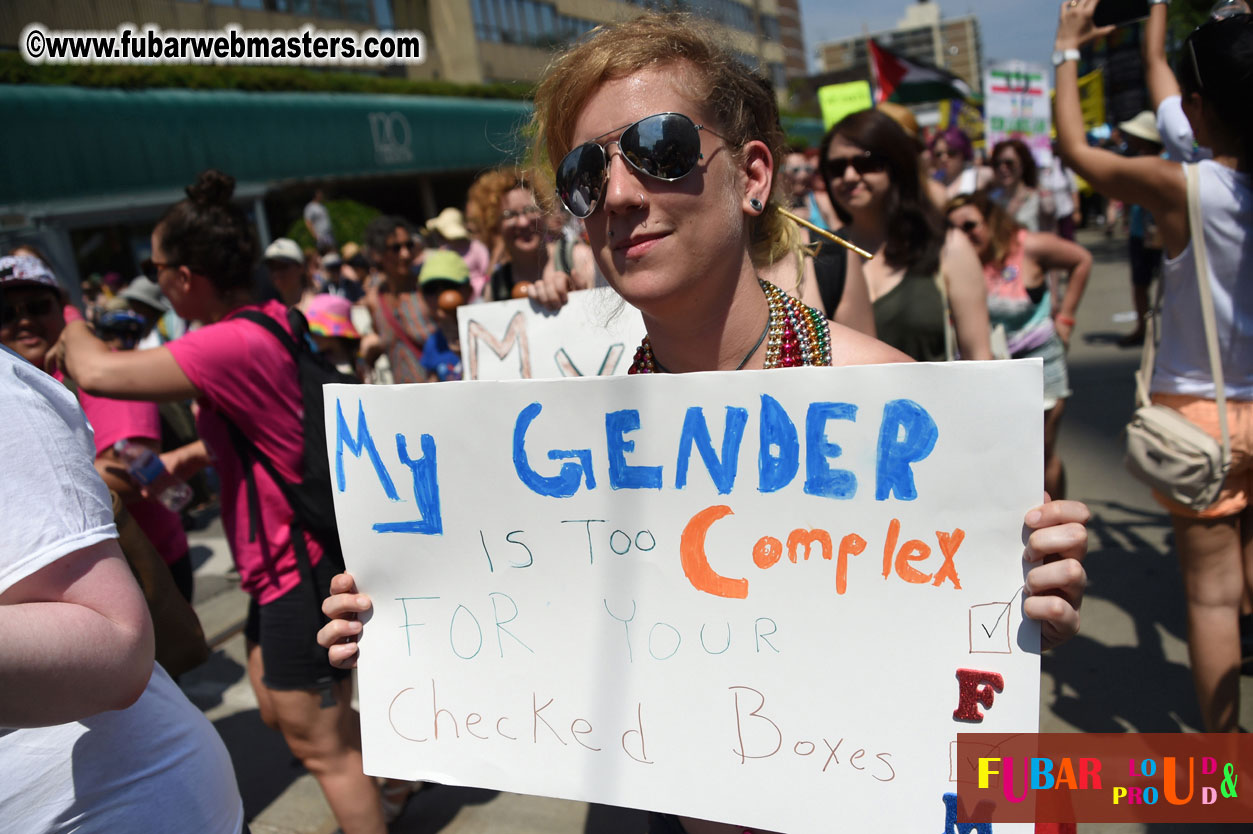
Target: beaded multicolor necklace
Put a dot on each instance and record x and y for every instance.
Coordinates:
(795, 335)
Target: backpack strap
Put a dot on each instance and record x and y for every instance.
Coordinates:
(268, 322)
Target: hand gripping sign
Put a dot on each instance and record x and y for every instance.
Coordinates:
(754, 597)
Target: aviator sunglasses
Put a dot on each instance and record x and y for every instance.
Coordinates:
(664, 146)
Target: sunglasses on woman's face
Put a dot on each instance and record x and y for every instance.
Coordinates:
(863, 163)
(665, 147)
(34, 309)
(968, 226)
(1008, 162)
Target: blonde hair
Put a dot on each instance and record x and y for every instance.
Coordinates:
(741, 103)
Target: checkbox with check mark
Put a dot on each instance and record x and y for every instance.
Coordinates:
(989, 628)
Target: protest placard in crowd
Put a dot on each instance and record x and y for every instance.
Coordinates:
(767, 598)
(594, 334)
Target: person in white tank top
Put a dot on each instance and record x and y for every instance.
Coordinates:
(1217, 60)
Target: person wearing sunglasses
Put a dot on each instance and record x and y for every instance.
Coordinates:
(204, 253)
(1016, 186)
(798, 180)
(401, 317)
(1016, 264)
(921, 274)
(668, 147)
(952, 164)
(1214, 66)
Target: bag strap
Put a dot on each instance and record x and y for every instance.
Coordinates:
(266, 321)
(394, 323)
(1197, 224)
(1148, 355)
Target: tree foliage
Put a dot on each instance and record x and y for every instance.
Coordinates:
(348, 221)
(14, 70)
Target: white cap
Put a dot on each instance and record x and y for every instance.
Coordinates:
(284, 249)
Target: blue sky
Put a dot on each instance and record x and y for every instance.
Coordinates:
(1009, 28)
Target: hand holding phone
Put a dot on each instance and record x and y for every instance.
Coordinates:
(1119, 12)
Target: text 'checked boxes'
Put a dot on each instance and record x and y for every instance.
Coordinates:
(989, 628)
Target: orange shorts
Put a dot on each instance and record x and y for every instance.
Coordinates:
(1239, 485)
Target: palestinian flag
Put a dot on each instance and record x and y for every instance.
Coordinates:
(904, 81)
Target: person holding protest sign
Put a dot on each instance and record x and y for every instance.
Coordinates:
(1214, 543)
(921, 276)
(668, 147)
(532, 265)
(1015, 266)
(246, 384)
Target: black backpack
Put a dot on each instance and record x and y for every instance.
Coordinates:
(310, 500)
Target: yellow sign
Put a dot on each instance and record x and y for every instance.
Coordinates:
(838, 100)
(1092, 98)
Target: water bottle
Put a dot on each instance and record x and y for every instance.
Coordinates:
(145, 466)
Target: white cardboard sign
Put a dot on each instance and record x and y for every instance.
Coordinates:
(594, 334)
(735, 596)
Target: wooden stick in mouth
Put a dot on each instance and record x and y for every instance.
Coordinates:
(833, 238)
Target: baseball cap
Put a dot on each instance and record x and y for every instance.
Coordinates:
(145, 291)
(26, 271)
(442, 265)
(285, 249)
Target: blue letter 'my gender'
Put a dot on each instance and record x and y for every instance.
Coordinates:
(425, 491)
(363, 441)
(566, 482)
(906, 436)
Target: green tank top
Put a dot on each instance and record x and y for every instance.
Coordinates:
(910, 318)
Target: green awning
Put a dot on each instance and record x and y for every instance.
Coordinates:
(73, 149)
(70, 144)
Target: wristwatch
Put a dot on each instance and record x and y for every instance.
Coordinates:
(1159, 2)
(1061, 56)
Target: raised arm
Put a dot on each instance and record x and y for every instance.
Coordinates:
(1157, 72)
(122, 374)
(1154, 183)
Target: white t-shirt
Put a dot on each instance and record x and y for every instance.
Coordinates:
(156, 767)
(1061, 181)
(320, 219)
(1182, 361)
(1176, 131)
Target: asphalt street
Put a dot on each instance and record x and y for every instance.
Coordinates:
(1126, 671)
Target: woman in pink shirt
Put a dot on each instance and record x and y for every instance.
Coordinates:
(203, 253)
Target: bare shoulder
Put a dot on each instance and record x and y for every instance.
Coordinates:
(852, 347)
